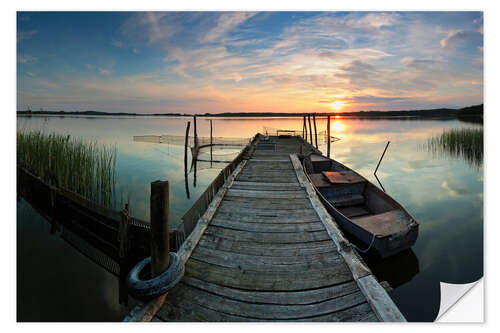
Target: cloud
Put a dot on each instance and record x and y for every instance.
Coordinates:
(418, 63)
(104, 71)
(22, 35)
(117, 43)
(452, 38)
(27, 59)
(226, 22)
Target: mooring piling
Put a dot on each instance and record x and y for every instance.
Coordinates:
(315, 131)
(195, 132)
(211, 142)
(310, 129)
(160, 242)
(328, 136)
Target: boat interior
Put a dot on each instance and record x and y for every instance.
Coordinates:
(356, 198)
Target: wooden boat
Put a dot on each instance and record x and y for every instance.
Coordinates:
(361, 209)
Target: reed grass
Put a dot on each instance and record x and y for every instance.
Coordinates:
(464, 143)
(71, 163)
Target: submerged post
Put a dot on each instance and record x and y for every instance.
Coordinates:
(310, 128)
(304, 128)
(381, 157)
(328, 136)
(315, 131)
(195, 133)
(159, 209)
(211, 142)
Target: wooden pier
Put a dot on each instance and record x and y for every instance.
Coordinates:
(265, 249)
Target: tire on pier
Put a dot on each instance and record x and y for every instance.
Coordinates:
(148, 289)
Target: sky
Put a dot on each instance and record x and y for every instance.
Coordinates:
(199, 62)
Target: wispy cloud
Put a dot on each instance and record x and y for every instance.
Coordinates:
(452, 38)
(226, 23)
(117, 43)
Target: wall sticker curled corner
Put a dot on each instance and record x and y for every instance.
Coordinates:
(455, 309)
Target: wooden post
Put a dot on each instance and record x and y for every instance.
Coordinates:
(123, 254)
(315, 131)
(310, 128)
(381, 157)
(186, 144)
(328, 136)
(304, 129)
(195, 133)
(160, 242)
(211, 142)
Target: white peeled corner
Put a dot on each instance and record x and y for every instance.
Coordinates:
(460, 305)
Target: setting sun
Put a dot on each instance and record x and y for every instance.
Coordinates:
(337, 105)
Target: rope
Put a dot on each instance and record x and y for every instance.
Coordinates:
(329, 203)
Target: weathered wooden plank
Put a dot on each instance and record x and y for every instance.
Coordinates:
(266, 311)
(282, 297)
(268, 281)
(190, 243)
(266, 188)
(266, 249)
(268, 237)
(239, 183)
(266, 179)
(268, 227)
(233, 204)
(269, 160)
(379, 300)
(267, 263)
(265, 194)
(263, 208)
(193, 312)
(306, 215)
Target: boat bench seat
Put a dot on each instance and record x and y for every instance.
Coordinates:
(348, 200)
(384, 224)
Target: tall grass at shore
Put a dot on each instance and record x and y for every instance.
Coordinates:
(464, 143)
(71, 163)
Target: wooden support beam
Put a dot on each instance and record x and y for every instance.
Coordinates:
(328, 136)
(195, 133)
(160, 243)
(186, 144)
(304, 129)
(211, 142)
(310, 128)
(315, 131)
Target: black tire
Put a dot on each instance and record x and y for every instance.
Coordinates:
(148, 289)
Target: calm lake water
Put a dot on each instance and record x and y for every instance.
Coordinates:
(445, 194)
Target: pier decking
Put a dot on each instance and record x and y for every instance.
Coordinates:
(266, 250)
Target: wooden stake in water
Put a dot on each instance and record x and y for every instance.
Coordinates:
(328, 136)
(381, 157)
(304, 129)
(211, 142)
(315, 131)
(195, 133)
(310, 128)
(159, 209)
(186, 144)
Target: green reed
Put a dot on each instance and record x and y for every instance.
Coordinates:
(464, 143)
(71, 163)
